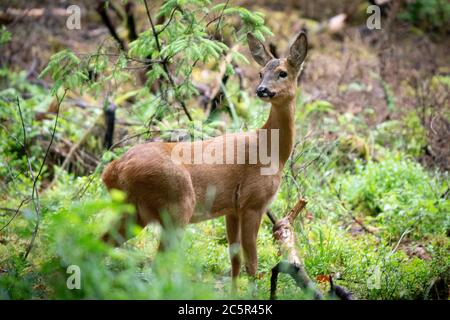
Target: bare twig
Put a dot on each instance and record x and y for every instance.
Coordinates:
(6, 210)
(218, 18)
(35, 193)
(118, 143)
(24, 146)
(80, 193)
(101, 9)
(16, 212)
(98, 54)
(221, 16)
(164, 63)
(400, 241)
(172, 14)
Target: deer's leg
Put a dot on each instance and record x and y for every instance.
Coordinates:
(250, 222)
(234, 243)
(120, 233)
(174, 219)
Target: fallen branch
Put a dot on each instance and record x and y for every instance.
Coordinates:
(74, 148)
(284, 235)
(291, 264)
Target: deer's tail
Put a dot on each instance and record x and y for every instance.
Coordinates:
(110, 176)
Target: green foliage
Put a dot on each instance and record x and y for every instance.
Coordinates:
(5, 35)
(369, 273)
(38, 123)
(428, 14)
(407, 134)
(71, 237)
(65, 70)
(402, 196)
(184, 41)
(12, 134)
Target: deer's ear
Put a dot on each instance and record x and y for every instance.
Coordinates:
(258, 50)
(298, 50)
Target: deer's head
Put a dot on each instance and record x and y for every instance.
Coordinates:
(278, 76)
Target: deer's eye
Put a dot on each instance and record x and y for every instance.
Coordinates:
(283, 74)
(260, 75)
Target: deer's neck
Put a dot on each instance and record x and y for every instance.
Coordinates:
(282, 117)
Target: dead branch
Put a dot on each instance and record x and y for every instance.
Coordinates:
(271, 217)
(298, 273)
(221, 16)
(101, 10)
(367, 229)
(110, 119)
(339, 292)
(283, 233)
(118, 143)
(80, 156)
(131, 23)
(16, 212)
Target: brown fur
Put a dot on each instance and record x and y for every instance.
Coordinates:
(156, 184)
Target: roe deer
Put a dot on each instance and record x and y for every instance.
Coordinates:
(156, 183)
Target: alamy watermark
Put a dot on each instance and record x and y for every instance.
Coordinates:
(374, 20)
(74, 280)
(260, 148)
(374, 281)
(73, 21)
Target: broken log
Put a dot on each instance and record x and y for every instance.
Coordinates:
(283, 232)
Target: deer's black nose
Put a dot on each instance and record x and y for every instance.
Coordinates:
(263, 92)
